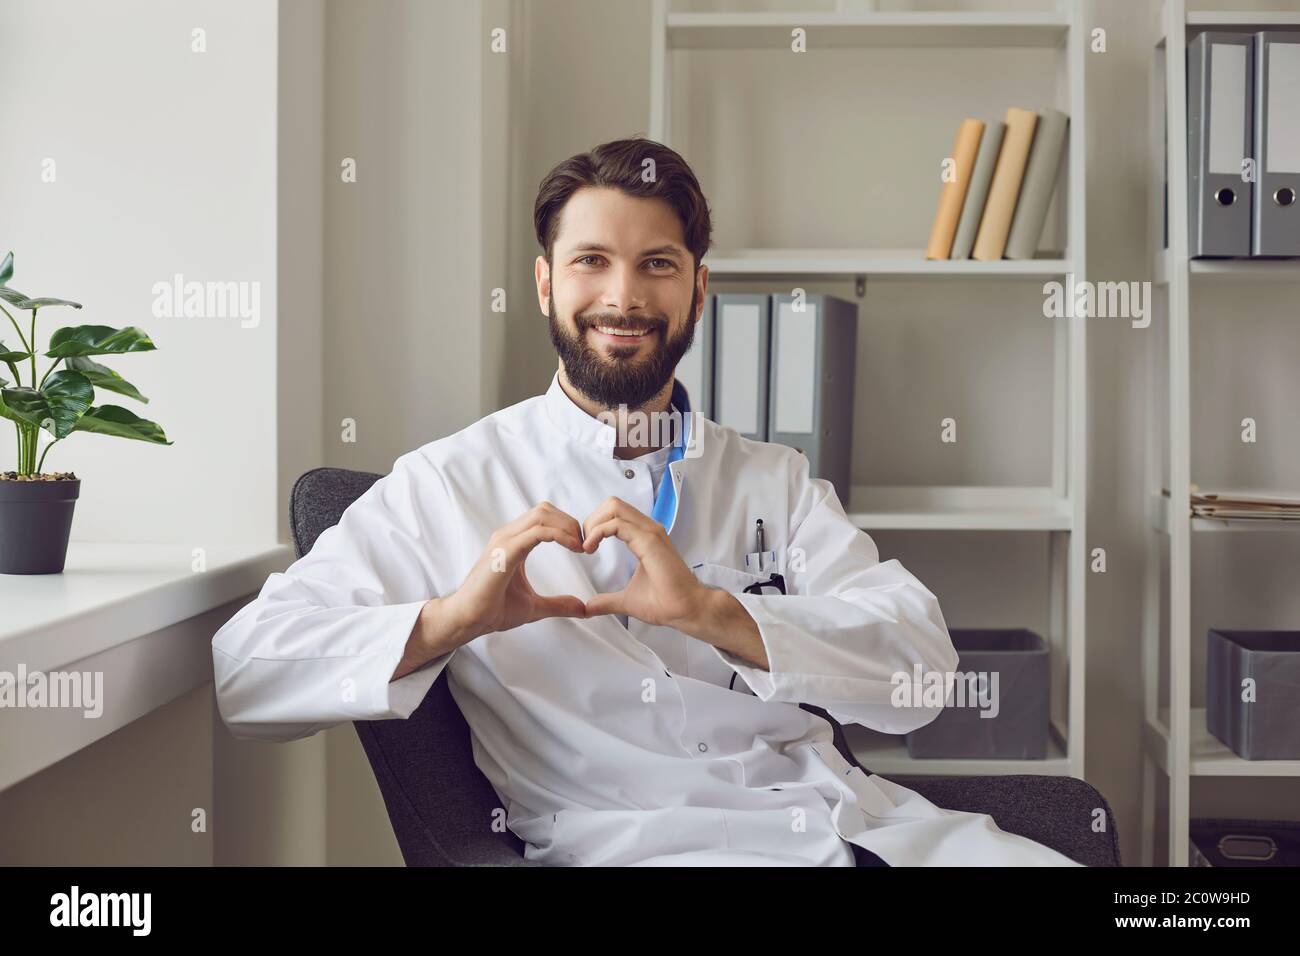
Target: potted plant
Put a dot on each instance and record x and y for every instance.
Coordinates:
(35, 507)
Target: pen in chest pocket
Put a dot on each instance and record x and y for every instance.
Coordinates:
(776, 582)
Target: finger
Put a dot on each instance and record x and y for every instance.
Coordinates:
(614, 507)
(563, 520)
(518, 547)
(560, 605)
(638, 540)
(611, 603)
(542, 513)
(598, 533)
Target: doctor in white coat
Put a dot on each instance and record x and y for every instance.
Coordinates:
(581, 575)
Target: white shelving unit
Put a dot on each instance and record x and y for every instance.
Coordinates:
(1059, 509)
(1175, 739)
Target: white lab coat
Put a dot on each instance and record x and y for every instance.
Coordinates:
(613, 743)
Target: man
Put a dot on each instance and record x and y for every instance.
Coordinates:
(594, 588)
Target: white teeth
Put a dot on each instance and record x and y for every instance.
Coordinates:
(609, 331)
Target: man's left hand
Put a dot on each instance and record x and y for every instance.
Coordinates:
(663, 590)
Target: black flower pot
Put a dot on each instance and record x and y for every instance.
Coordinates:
(35, 523)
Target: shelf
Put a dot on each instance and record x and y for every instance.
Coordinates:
(752, 31)
(1169, 597)
(1253, 270)
(1248, 21)
(957, 508)
(1061, 35)
(775, 263)
(1228, 270)
(1210, 757)
(1158, 509)
(886, 754)
(1234, 19)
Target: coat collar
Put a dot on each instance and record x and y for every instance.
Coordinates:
(589, 430)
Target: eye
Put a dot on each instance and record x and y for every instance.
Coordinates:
(667, 263)
(582, 259)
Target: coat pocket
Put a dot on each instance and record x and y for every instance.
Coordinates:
(730, 579)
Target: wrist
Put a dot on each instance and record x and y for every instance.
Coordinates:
(704, 608)
(444, 626)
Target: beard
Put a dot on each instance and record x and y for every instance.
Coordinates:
(612, 377)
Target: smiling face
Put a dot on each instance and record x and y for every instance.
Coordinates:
(622, 295)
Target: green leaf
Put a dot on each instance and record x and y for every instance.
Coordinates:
(7, 269)
(9, 356)
(12, 296)
(42, 303)
(25, 405)
(56, 406)
(101, 376)
(118, 421)
(97, 340)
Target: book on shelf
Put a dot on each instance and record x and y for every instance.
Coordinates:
(952, 195)
(978, 190)
(1008, 174)
(1005, 174)
(1041, 172)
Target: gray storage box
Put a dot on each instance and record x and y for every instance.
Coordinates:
(1018, 696)
(1218, 842)
(1267, 728)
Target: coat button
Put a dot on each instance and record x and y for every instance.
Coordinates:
(629, 473)
(703, 746)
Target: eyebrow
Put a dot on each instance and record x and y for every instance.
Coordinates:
(671, 249)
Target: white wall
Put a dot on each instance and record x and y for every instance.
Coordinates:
(165, 164)
(413, 249)
(406, 285)
(300, 244)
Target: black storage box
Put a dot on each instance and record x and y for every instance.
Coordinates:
(1244, 843)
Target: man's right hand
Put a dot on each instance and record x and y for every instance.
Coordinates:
(496, 595)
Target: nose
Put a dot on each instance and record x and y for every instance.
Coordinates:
(624, 291)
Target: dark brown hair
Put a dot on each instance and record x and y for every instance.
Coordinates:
(618, 164)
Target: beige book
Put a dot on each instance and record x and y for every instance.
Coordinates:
(991, 240)
(953, 193)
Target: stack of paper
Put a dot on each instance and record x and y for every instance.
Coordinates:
(1246, 505)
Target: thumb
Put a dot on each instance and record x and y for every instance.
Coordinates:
(611, 603)
(561, 605)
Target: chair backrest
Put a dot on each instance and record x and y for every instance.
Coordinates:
(440, 804)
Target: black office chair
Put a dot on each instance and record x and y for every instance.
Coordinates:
(441, 805)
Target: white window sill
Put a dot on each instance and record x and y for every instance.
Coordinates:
(92, 618)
